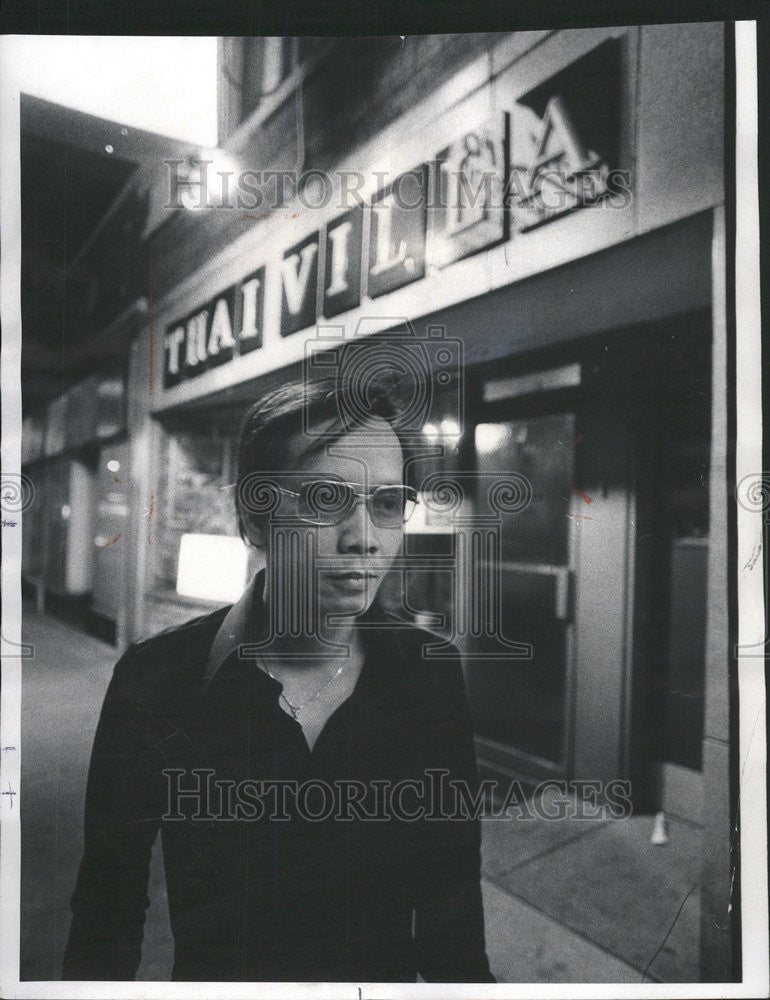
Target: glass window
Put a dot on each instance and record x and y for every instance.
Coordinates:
(193, 467)
(250, 69)
(542, 450)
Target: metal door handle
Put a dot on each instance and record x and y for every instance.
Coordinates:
(563, 589)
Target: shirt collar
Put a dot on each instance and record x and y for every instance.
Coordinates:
(245, 621)
(238, 627)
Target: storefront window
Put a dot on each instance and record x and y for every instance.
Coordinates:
(194, 467)
(427, 594)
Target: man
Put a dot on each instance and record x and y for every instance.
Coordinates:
(233, 734)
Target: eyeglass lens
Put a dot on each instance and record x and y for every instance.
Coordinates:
(328, 502)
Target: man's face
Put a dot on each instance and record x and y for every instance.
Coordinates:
(354, 554)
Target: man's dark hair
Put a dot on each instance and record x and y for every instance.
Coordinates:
(272, 420)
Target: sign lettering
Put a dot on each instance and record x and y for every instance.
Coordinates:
(207, 338)
(299, 279)
(469, 197)
(397, 241)
(468, 180)
(342, 277)
(196, 340)
(250, 333)
(555, 170)
(174, 340)
(221, 336)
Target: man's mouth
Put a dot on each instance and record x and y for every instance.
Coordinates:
(353, 575)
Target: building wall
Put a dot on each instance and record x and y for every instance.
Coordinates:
(674, 161)
(361, 87)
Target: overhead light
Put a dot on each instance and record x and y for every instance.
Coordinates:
(511, 386)
(113, 465)
(491, 437)
(109, 149)
(207, 179)
(450, 428)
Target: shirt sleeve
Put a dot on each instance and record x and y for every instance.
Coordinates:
(122, 816)
(449, 916)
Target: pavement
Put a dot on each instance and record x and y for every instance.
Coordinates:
(566, 901)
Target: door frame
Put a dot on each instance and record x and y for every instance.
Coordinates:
(597, 703)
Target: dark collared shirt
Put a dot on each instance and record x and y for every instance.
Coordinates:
(343, 864)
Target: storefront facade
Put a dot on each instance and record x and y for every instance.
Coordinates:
(571, 334)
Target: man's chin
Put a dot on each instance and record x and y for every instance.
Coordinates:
(334, 599)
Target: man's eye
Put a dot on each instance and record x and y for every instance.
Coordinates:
(389, 502)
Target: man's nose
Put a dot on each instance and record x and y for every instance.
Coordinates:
(357, 532)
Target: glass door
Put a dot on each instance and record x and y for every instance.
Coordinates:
(520, 705)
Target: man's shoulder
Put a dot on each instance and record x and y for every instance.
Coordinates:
(175, 652)
(191, 631)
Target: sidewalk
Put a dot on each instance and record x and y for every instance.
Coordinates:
(591, 901)
(567, 901)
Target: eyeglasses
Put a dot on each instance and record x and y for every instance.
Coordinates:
(329, 501)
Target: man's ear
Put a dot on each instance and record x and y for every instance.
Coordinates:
(251, 532)
(256, 538)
